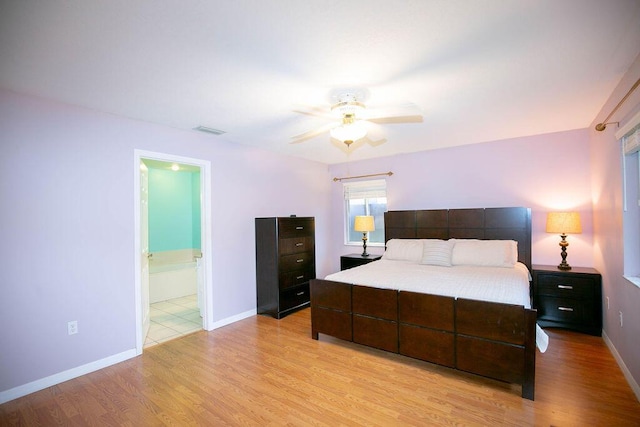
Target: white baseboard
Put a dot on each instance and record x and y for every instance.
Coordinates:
(67, 375)
(627, 374)
(229, 320)
(60, 377)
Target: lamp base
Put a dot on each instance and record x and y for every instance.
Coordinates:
(364, 245)
(563, 253)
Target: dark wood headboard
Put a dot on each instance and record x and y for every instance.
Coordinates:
(480, 223)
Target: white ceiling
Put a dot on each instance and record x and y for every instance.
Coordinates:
(479, 70)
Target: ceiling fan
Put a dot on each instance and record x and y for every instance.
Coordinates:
(351, 120)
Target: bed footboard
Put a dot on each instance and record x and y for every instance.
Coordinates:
(496, 341)
(489, 339)
(331, 309)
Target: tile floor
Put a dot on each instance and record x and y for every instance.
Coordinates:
(173, 318)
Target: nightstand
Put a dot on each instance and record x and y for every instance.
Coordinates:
(568, 299)
(354, 260)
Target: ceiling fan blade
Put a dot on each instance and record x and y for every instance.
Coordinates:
(376, 142)
(397, 119)
(310, 110)
(409, 112)
(313, 133)
(375, 132)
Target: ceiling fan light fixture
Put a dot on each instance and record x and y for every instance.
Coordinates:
(349, 131)
(344, 108)
(348, 104)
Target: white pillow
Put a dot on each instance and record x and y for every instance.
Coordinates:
(404, 250)
(437, 252)
(485, 253)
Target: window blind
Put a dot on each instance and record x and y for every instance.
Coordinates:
(630, 144)
(631, 141)
(365, 189)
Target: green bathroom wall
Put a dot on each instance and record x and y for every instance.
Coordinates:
(195, 209)
(174, 210)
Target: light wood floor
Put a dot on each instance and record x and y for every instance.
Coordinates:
(261, 371)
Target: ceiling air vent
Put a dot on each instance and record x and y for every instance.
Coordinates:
(209, 130)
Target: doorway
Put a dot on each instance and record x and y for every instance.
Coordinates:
(201, 259)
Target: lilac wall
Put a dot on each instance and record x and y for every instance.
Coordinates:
(543, 172)
(67, 227)
(607, 202)
(66, 191)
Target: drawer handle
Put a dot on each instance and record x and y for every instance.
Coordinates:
(300, 293)
(299, 244)
(300, 228)
(565, 308)
(300, 277)
(565, 287)
(299, 260)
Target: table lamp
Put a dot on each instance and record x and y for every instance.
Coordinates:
(564, 223)
(364, 224)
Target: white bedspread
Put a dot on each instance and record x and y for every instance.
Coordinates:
(496, 284)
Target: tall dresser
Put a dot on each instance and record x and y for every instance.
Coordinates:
(285, 262)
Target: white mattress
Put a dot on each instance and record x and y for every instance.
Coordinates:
(497, 284)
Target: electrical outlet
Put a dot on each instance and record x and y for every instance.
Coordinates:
(607, 303)
(620, 318)
(72, 327)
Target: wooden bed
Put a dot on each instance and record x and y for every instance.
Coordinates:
(494, 340)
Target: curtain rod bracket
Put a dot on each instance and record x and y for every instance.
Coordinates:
(602, 126)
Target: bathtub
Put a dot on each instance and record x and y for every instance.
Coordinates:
(173, 274)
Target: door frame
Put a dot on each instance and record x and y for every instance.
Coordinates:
(205, 227)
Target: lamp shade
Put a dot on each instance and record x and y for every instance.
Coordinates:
(564, 223)
(364, 223)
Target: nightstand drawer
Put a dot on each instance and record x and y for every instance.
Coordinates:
(565, 310)
(566, 287)
(294, 297)
(355, 260)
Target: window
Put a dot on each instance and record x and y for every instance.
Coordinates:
(365, 198)
(631, 200)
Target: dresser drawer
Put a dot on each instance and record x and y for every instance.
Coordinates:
(294, 245)
(566, 310)
(294, 297)
(295, 227)
(296, 262)
(295, 278)
(566, 287)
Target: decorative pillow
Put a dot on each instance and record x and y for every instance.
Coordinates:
(486, 253)
(437, 252)
(404, 250)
